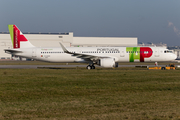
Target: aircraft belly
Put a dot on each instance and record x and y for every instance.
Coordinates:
(25, 54)
(58, 58)
(124, 58)
(147, 60)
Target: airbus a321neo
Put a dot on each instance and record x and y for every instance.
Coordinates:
(102, 56)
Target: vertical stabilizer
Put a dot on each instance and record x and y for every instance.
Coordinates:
(17, 38)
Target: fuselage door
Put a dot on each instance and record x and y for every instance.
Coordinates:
(122, 53)
(79, 51)
(33, 52)
(156, 52)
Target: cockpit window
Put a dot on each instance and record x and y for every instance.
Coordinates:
(168, 51)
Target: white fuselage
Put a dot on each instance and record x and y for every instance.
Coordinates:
(120, 54)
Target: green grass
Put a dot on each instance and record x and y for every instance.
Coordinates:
(123, 93)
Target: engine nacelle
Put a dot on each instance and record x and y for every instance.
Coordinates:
(108, 62)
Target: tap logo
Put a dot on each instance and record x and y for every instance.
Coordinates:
(139, 53)
(145, 52)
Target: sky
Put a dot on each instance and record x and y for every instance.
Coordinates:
(149, 20)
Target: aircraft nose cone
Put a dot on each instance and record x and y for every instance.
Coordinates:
(172, 57)
(175, 56)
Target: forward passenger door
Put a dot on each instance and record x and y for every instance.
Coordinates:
(34, 52)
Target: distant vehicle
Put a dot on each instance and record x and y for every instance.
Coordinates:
(169, 67)
(102, 56)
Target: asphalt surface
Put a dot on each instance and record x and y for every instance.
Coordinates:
(55, 66)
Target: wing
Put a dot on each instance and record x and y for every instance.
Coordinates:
(83, 56)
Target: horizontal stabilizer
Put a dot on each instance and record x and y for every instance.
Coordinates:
(11, 51)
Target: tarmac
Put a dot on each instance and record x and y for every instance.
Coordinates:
(58, 66)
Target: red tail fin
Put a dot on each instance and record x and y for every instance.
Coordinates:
(18, 39)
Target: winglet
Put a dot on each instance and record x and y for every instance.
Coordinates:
(64, 49)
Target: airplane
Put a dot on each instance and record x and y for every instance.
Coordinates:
(107, 57)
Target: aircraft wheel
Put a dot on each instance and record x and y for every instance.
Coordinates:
(163, 68)
(93, 67)
(88, 67)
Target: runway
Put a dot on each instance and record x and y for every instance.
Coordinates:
(55, 66)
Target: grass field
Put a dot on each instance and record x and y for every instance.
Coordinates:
(123, 93)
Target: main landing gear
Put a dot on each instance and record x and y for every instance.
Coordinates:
(90, 67)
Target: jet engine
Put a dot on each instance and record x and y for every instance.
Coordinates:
(108, 62)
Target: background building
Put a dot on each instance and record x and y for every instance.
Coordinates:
(53, 39)
(176, 50)
(152, 44)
